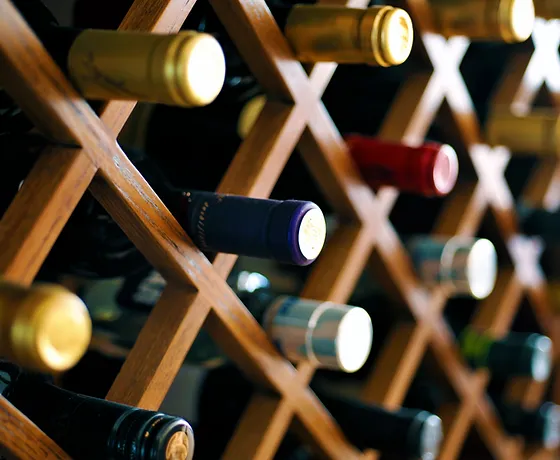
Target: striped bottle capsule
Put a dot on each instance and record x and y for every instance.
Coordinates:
(466, 265)
(329, 335)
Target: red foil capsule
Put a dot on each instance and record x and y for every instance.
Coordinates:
(429, 170)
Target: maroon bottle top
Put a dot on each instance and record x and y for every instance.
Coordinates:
(430, 169)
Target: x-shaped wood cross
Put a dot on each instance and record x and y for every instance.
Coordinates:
(197, 293)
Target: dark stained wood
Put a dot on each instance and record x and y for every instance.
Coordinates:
(197, 294)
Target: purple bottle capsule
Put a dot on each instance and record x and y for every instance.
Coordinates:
(288, 231)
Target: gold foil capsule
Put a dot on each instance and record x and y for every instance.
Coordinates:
(249, 115)
(380, 35)
(185, 69)
(537, 133)
(547, 9)
(45, 327)
(507, 20)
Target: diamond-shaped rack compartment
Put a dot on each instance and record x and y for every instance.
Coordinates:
(197, 293)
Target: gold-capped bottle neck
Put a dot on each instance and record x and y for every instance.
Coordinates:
(517, 19)
(379, 35)
(537, 133)
(249, 114)
(387, 32)
(51, 327)
(185, 69)
(193, 66)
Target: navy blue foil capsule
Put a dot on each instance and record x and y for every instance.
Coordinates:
(289, 231)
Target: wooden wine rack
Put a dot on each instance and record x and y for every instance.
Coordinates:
(196, 294)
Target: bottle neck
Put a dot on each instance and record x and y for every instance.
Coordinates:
(56, 39)
(90, 428)
(404, 431)
(80, 424)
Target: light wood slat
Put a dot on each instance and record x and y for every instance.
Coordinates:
(333, 279)
(40, 210)
(160, 349)
(197, 292)
(159, 16)
(67, 177)
(394, 369)
(159, 236)
(252, 438)
(456, 420)
(21, 439)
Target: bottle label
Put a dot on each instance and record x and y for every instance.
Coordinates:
(475, 347)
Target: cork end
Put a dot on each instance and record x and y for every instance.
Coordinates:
(446, 170)
(517, 19)
(312, 233)
(354, 340)
(551, 430)
(431, 437)
(541, 361)
(53, 329)
(196, 69)
(482, 268)
(249, 114)
(178, 447)
(397, 36)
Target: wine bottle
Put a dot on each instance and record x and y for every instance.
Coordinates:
(415, 433)
(429, 170)
(329, 335)
(465, 265)
(540, 426)
(327, 33)
(93, 245)
(537, 133)
(91, 429)
(289, 231)
(506, 20)
(185, 69)
(547, 9)
(201, 392)
(43, 327)
(517, 354)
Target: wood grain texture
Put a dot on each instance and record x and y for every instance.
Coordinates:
(40, 210)
(21, 439)
(293, 116)
(142, 215)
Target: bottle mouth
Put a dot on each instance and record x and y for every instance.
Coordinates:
(58, 332)
(482, 268)
(517, 19)
(541, 360)
(431, 437)
(397, 36)
(200, 69)
(312, 233)
(446, 170)
(354, 339)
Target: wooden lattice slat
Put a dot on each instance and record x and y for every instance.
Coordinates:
(197, 294)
